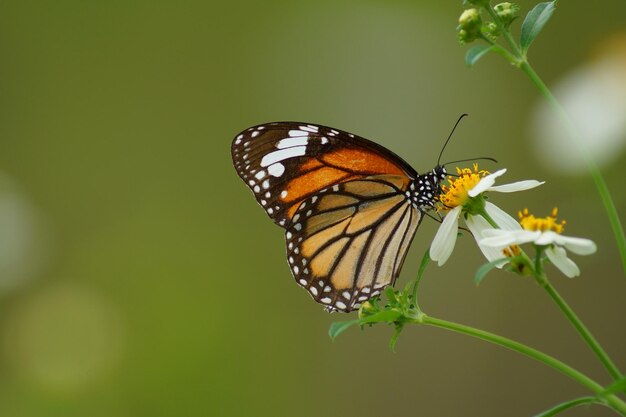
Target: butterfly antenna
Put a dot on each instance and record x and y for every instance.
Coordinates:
(485, 158)
(449, 137)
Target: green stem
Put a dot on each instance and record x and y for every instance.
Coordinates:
(570, 404)
(584, 332)
(519, 60)
(552, 362)
(517, 52)
(487, 217)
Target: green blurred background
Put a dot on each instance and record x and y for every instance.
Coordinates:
(139, 277)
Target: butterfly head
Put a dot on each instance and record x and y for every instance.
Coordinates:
(439, 174)
(426, 188)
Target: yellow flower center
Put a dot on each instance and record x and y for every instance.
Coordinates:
(543, 224)
(455, 194)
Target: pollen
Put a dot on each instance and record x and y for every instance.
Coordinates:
(455, 194)
(542, 224)
(512, 251)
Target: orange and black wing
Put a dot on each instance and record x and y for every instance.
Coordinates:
(347, 242)
(349, 206)
(285, 162)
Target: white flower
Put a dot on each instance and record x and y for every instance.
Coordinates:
(555, 243)
(543, 232)
(477, 225)
(462, 193)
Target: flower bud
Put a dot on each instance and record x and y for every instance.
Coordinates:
(470, 24)
(367, 309)
(507, 12)
(491, 30)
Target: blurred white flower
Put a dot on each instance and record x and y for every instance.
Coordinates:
(24, 242)
(594, 96)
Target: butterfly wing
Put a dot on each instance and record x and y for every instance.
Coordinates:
(284, 163)
(348, 205)
(347, 242)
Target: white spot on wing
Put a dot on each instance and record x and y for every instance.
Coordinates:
(283, 194)
(324, 140)
(340, 305)
(282, 154)
(255, 134)
(313, 290)
(309, 128)
(295, 133)
(266, 184)
(276, 170)
(259, 175)
(290, 142)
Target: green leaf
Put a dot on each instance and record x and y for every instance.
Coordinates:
(483, 270)
(391, 295)
(619, 385)
(475, 53)
(569, 404)
(339, 327)
(535, 21)
(385, 316)
(394, 337)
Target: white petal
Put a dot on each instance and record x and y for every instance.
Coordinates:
(558, 257)
(516, 186)
(478, 225)
(546, 238)
(501, 217)
(498, 238)
(485, 182)
(577, 245)
(443, 243)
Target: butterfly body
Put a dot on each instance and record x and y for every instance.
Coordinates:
(349, 207)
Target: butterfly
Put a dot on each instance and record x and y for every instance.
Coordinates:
(350, 207)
